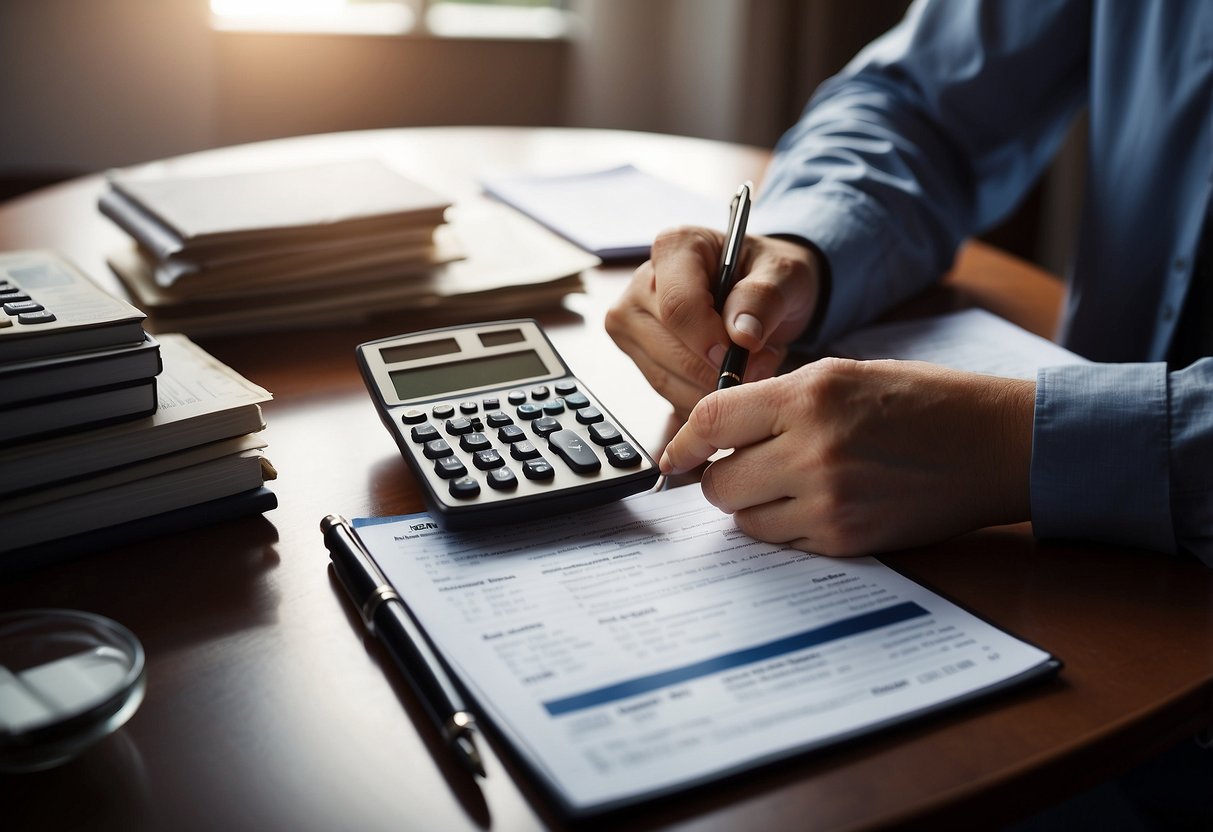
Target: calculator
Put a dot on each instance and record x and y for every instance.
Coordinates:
(495, 426)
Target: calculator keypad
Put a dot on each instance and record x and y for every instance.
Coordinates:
(544, 437)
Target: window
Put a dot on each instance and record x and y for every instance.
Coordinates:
(541, 19)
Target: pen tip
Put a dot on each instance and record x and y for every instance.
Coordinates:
(470, 756)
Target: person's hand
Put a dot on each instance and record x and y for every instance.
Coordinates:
(854, 457)
(666, 323)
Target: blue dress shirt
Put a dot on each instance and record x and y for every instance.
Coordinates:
(936, 131)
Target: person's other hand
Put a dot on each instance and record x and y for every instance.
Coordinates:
(666, 323)
(853, 457)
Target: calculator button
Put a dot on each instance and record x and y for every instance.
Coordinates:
(524, 450)
(464, 487)
(516, 397)
(474, 442)
(511, 434)
(554, 408)
(436, 448)
(529, 411)
(497, 419)
(469, 407)
(622, 455)
(563, 388)
(546, 425)
(12, 295)
(449, 467)
(540, 392)
(443, 411)
(538, 469)
(413, 416)
(576, 401)
(43, 317)
(605, 433)
(570, 447)
(502, 479)
(486, 460)
(19, 306)
(458, 426)
(589, 415)
(491, 404)
(424, 433)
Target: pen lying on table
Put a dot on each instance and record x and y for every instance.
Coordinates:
(732, 369)
(386, 616)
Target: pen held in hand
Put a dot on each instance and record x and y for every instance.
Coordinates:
(732, 370)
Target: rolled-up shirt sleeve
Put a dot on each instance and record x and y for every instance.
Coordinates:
(1120, 454)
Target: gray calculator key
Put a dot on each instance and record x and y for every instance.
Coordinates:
(622, 455)
(424, 433)
(436, 448)
(538, 469)
(544, 426)
(604, 433)
(589, 415)
(524, 450)
(18, 306)
(486, 460)
(511, 434)
(474, 442)
(570, 447)
(44, 316)
(449, 467)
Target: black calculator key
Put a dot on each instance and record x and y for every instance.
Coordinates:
(424, 433)
(538, 469)
(491, 404)
(516, 397)
(458, 426)
(604, 433)
(554, 408)
(576, 401)
(487, 460)
(464, 487)
(449, 467)
(19, 306)
(524, 450)
(622, 455)
(413, 416)
(469, 407)
(45, 316)
(589, 415)
(443, 411)
(540, 392)
(12, 295)
(436, 448)
(502, 479)
(563, 388)
(545, 426)
(497, 419)
(474, 442)
(511, 434)
(530, 411)
(570, 447)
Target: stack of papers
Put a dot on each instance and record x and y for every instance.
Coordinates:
(321, 245)
(196, 460)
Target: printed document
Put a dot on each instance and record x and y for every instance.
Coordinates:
(649, 645)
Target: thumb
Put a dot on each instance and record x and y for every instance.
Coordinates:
(775, 300)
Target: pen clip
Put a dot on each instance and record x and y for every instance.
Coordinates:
(739, 213)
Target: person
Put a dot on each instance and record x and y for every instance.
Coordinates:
(932, 134)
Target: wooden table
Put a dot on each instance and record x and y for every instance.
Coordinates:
(267, 708)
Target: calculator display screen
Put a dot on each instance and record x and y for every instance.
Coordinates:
(482, 371)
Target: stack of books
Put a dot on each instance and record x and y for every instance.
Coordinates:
(321, 245)
(108, 434)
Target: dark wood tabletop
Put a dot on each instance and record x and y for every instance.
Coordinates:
(268, 708)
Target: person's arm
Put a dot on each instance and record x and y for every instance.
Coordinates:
(1121, 454)
(931, 134)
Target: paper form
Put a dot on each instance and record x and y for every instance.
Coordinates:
(973, 340)
(649, 644)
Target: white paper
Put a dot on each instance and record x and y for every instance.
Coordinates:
(613, 213)
(973, 340)
(649, 644)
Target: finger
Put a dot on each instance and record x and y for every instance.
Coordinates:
(684, 263)
(796, 522)
(776, 295)
(730, 418)
(751, 476)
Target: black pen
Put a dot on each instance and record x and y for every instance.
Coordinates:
(387, 616)
(732, 369)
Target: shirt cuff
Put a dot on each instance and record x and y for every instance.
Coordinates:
(1100, 450)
